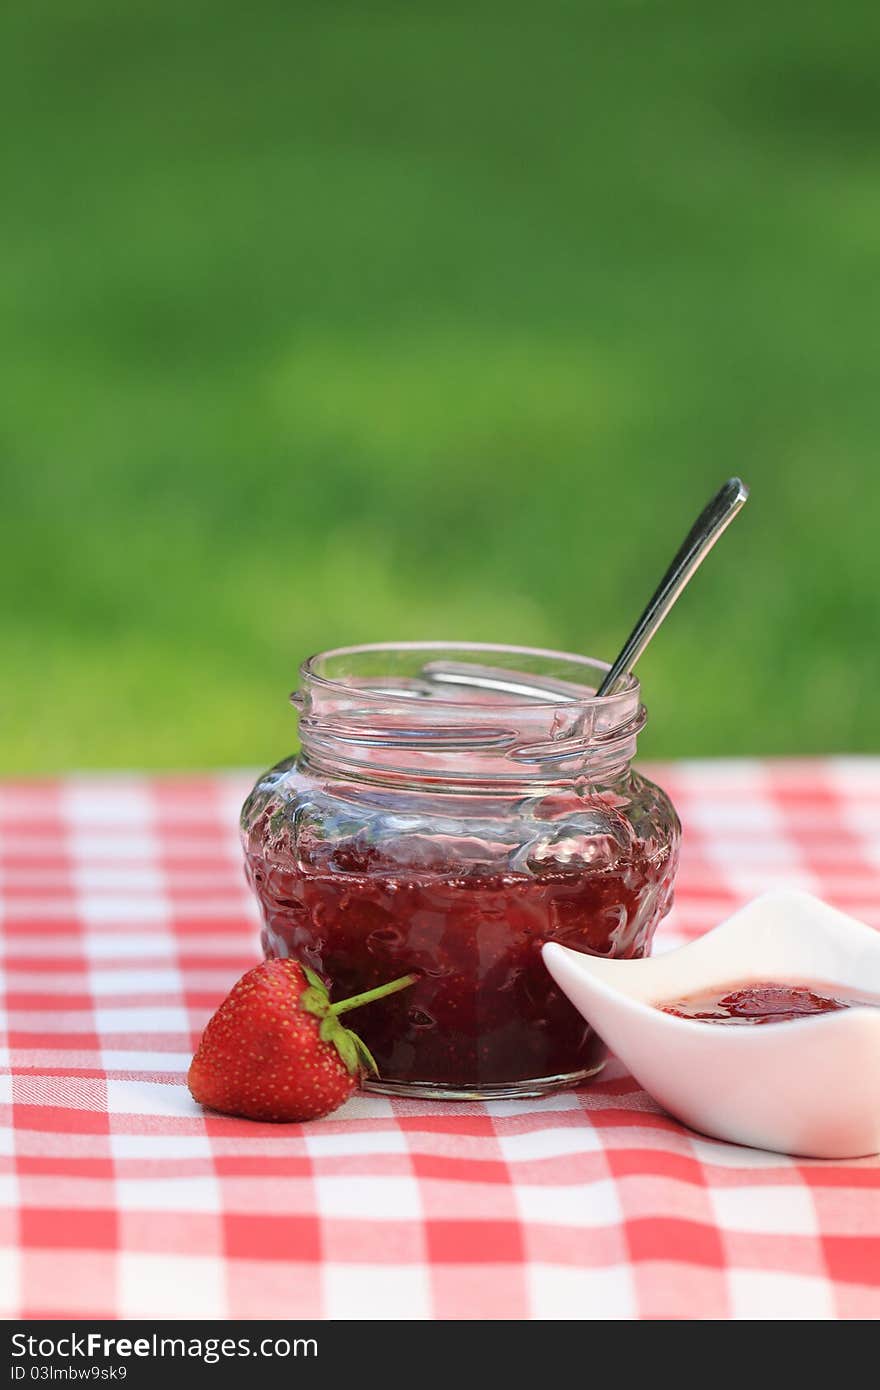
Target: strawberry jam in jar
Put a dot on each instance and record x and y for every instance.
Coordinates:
(451, 809)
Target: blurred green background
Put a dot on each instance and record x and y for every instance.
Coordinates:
(334, 322)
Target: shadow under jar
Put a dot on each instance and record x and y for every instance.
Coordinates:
(452, 808)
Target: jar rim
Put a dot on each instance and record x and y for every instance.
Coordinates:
(629, 684)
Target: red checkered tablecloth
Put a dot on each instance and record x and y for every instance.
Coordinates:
(125, 919)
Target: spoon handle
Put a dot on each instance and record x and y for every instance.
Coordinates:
(696, 545)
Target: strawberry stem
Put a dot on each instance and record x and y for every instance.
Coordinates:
(369, 995)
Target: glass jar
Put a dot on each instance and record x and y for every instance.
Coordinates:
(452, 808)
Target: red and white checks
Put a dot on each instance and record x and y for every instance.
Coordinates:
(125, 919)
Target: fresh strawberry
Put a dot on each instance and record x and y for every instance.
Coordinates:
(275, 1049)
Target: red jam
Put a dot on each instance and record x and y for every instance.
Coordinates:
(485, 1011)
(767, 1002)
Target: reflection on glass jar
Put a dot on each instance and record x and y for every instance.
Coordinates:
(451, 809)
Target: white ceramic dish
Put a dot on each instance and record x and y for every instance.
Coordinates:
(809, 1087)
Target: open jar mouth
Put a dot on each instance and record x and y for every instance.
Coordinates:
(467, 711)
(414, 669)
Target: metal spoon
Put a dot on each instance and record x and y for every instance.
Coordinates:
(695, 547)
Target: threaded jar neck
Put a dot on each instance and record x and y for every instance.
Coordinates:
(464, 716)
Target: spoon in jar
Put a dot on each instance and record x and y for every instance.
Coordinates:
(714, 518)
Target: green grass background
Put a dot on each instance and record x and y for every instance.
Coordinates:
(341, 321)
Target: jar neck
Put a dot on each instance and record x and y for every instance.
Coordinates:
(478, 725)
(590, 776)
